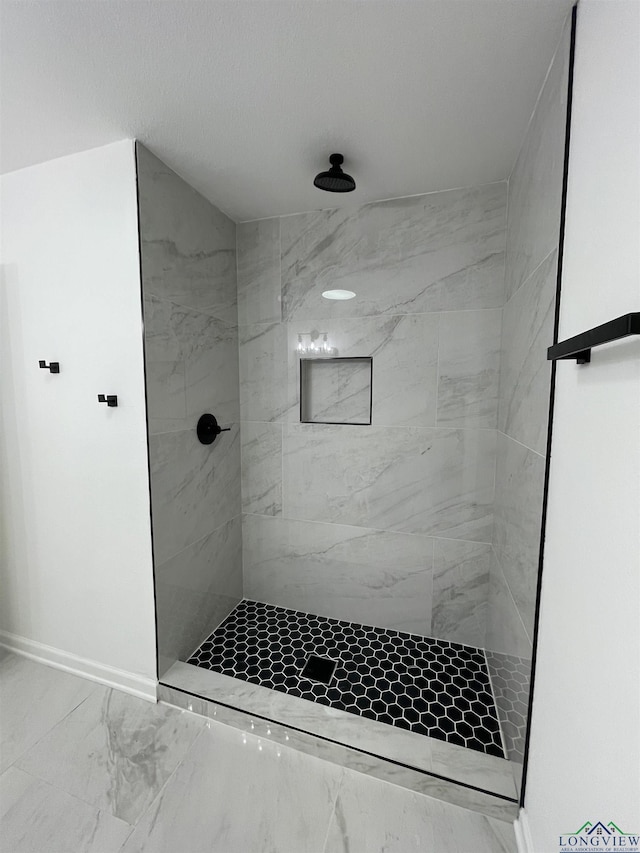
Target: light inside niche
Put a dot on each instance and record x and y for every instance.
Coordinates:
(338, 294)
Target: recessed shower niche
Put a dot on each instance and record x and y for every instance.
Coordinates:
(336, 390)
(406, 551)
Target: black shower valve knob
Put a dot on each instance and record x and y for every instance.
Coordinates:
(52, 367)
(209, 429)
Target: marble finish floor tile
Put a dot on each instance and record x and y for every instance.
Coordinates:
(33, 699)
(114, 751)
(38, 817)
(235, 793)
(229, 792)
(370, 815)
(427, 687)
(465, 777)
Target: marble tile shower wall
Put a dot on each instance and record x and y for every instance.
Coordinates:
(389, 524)
(533, 230)
(188, 250)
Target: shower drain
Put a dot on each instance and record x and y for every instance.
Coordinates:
(319, 669)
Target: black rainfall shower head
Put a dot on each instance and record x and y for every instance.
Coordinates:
(335, 180)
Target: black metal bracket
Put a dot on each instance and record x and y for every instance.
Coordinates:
(579, 347)
(53, 367)
(110, 399)
(208, 429)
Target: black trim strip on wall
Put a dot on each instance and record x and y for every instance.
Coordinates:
(146, 406)
(358, 749)
(552, 390)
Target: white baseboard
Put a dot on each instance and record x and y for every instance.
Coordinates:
(137, 685)
(523, 833)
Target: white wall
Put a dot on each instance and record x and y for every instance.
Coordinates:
(77, 582)
(585, 751)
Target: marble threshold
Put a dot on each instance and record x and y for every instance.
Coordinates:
(445, 771)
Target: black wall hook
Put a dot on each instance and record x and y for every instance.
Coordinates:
(111, 400)
(208, 429)
(53, 367)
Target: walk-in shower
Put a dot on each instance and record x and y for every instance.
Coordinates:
(351, 562)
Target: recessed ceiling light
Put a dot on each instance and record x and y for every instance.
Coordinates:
(338, 294)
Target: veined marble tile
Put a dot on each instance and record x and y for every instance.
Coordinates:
(197, 350)
(335, 391)
(471, 766)
(351, 729)
(113, 751)
(535, 185)
(259, 290)
(447, 789)
(372, 765)
(195, 488)
(505, 632)
(460, 591)
(188, 246)
(428, 481)
(404, 351)
(166, 396)
(264, 394)
(366, 576)
(526, 373)
(511, 683)
(33, 699)
(518, 517)
(372, 815)
(38, 817)
(438, 252)
(469, 368)
(196, 590)
(237, 793)
(454, 832)
(261, 468)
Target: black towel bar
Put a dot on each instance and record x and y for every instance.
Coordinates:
(579, 347)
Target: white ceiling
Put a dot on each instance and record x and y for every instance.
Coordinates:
(247, 98)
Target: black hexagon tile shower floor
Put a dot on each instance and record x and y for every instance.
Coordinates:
(430, 687)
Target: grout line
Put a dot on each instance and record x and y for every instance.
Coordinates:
(381, 316)
(92, 806)
(333, 807)
(14, 763)
(516, 608)
(197, 541)
(543, 85)
(531, 274)
(526, 446)
(426, 536)
(437, 394)
(354, 206)
(292, 423)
